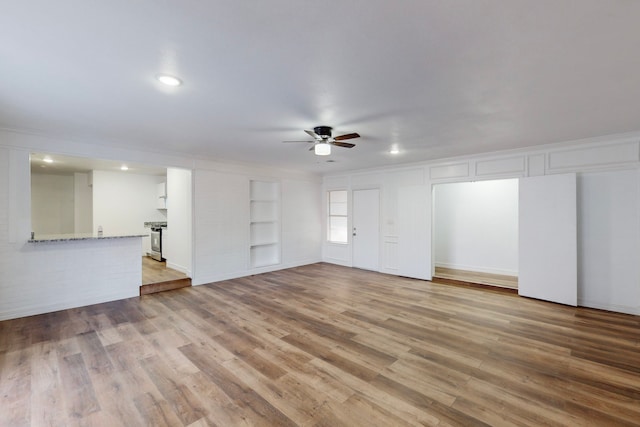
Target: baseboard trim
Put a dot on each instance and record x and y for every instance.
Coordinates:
(197, 281)
(179, 268)
(609, 307)
(65, 305)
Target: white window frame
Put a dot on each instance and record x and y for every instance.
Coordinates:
(331, 213)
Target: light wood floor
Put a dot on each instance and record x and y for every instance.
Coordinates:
(500, 280)
(157, 272)
(322, 345)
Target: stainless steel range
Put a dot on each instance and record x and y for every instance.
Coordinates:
(156, 244)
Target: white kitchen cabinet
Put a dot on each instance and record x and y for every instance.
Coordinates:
(161, 202)
(264, 226)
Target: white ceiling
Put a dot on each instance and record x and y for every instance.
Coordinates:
(65, 165)
(438, 78)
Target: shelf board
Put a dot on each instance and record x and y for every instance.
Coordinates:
(255, 245)
(265, 221)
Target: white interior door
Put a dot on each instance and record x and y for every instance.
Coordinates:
(548, 238)
(414, 232)
(366, 229)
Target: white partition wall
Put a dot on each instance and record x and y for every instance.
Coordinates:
(548, 238)
(609, 240)
(414, 232)
(221, 217)
(179, 251)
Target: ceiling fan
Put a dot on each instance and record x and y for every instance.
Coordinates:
(322, 140)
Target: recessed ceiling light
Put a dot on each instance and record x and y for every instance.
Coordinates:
(394, 149)
(47, 159)
(168, 80)
(124, 168)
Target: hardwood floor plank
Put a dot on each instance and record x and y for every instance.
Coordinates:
(491, 279)
(242, 395)
(16, 387)
(156, 411)
(179, 397)
(284, 394)
(77, 386)
(94, 355)
(157, 272)
(390, 402)
(222, 410)
(322, 345)
(47, 398)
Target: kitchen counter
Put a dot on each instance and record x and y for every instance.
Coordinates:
(155, 224)
(45, 238)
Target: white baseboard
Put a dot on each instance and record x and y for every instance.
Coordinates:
(196, 281)
(179, 268)
(609, 307)
(477, 269)
(64, 305)
(337, 261)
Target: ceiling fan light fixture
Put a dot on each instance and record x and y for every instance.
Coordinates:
(322, 149)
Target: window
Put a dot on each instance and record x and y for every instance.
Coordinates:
(337, 224)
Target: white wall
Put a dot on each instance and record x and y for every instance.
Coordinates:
(36, 279)
(67, 275)
(177, 241)
(83, 203)
(607, 207)
(123, 201)
(302, 213)
(475, 226)
(44, 277)
(222, 218)
(52, 208)
(221, 224)
(609, 240)
(395, 221)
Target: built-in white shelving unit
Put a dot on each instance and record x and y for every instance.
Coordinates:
(265, 223)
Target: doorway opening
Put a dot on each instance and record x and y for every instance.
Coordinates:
(475, 232)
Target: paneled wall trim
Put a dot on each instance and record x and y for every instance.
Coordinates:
(497, 167)
(597, 156)
(574, 156)
(457, 170)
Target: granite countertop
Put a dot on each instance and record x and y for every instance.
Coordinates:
(44, 238)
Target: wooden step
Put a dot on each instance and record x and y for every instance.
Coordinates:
(169, 285)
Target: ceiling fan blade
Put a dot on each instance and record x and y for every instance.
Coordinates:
(343, 144)
(312, 134)
(298, 141)
(346, 136)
